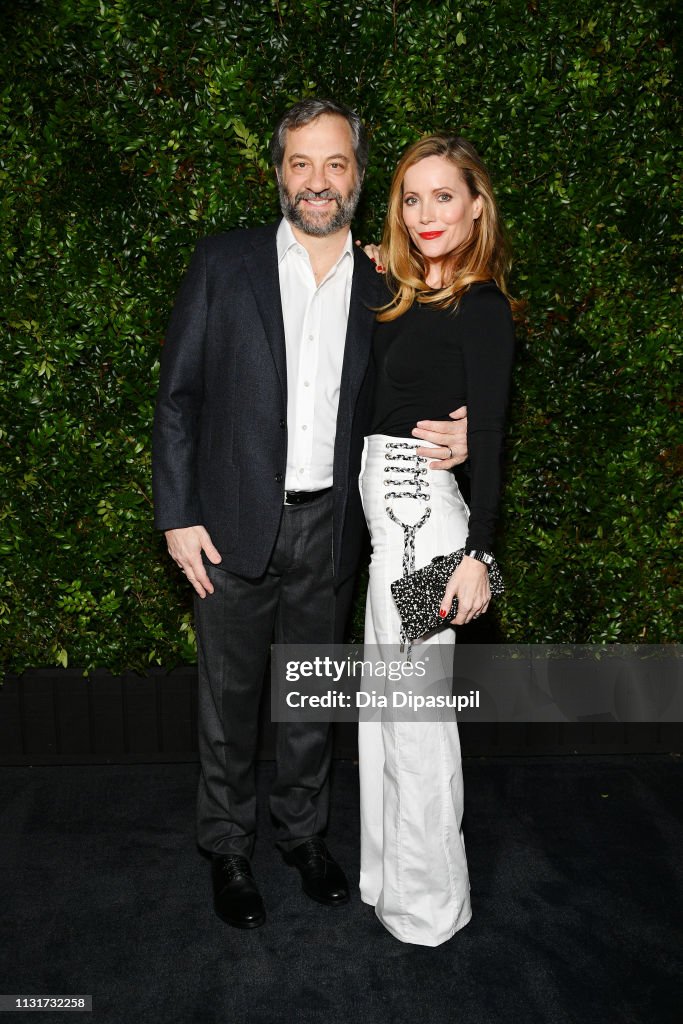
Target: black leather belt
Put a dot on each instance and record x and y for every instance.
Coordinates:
(303, 497)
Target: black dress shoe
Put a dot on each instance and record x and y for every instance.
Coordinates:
(323, 880)
(236, 898)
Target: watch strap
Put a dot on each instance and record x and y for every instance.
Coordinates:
(481, 556)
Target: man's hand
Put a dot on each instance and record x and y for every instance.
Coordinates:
(451, 438)
(185, 547)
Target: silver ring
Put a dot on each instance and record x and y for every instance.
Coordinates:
(450, 452)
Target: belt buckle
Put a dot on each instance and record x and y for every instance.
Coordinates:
(303, 497)
(295, 499)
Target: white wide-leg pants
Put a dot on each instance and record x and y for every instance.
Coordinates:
(413, 864)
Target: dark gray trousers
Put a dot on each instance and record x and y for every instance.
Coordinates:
(295, 601)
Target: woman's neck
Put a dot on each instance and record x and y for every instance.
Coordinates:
(433, 278)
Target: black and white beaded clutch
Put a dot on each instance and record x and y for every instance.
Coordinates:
(418, 596)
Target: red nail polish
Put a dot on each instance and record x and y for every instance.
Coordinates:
(442, 613)
(373, 259)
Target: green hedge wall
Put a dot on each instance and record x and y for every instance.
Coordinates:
(130, 128)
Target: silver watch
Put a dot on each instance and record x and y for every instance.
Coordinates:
(481, 556)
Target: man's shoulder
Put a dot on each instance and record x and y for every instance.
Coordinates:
(239, 241)
(371, 283)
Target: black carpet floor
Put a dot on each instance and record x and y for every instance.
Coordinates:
(575, 869)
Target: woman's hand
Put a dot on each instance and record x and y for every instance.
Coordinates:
(470, 584)
(374, 253)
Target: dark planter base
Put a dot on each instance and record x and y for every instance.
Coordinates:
(60, 716)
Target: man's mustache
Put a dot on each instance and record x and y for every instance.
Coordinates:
(327, 193)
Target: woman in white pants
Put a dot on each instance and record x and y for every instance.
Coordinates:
(445, 338)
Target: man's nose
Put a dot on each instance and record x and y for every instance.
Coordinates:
(317, 179)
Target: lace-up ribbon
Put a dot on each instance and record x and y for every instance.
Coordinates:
(414, 487)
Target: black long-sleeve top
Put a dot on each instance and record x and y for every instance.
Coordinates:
(431, 361)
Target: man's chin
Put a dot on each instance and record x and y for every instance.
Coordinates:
(317, 224)
(316, 219)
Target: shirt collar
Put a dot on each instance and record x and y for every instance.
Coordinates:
(286, 240)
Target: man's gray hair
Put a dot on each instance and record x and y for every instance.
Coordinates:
(306, 111)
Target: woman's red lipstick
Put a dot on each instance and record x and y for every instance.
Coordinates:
(428, 235)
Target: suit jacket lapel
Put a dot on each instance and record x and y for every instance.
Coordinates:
(262, 270)
(364, 301)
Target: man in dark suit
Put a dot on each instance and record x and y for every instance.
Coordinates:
(263, 403)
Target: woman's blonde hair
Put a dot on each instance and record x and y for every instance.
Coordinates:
(481, 257)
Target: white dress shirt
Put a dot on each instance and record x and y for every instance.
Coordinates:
(315, 319)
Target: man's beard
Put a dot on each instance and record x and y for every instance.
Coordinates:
(310, 225)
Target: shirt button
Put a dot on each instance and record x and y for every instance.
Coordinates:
(310, 337)
(304, 427)
(306, 384)
(279, 478)
(283, 424)
(301, 472)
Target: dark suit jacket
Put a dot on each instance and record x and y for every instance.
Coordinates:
(220, 428)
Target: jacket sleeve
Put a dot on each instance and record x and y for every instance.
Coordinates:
(175, 434)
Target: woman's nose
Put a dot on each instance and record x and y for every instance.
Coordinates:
(426, 213)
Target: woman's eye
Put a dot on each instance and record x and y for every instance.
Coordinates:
(410, 200)
(444, 197)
